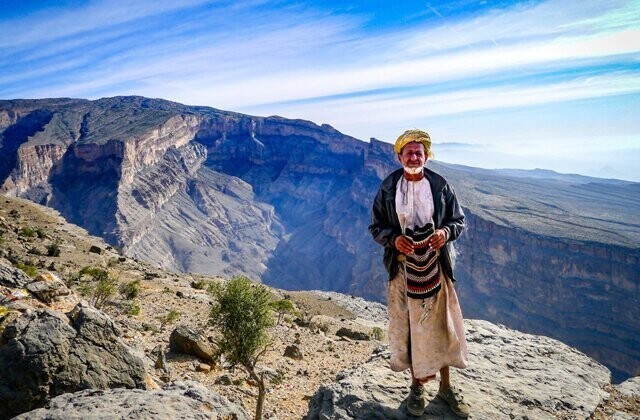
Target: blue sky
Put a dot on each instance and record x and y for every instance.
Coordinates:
(537, 84)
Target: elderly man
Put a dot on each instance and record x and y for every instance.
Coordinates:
(415, 218)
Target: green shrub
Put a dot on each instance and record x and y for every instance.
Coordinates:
(93, 272)
(27, 232)
(29, 269)
(134, 308)
(41, 233)
(99, 288)
(169, 318)
(199, 284)
(278, 378)
(53, 250)
(377, 333)
(130, 290)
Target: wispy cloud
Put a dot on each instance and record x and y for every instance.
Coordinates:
(328, 64)
(402, 109)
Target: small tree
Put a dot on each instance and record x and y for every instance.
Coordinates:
(282, 307)
(242, 313)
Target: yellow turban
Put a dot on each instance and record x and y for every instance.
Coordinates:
(417, 136)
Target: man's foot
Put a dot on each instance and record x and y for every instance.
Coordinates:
(455, 401)
(416, 400)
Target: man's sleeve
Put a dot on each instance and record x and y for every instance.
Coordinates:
(453, 216)
(380, 226)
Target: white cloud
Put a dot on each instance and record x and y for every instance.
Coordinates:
(301, 61)
(56, 22)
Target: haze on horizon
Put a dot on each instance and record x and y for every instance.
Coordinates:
(498, 84)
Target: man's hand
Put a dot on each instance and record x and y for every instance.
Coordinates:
(404, 244)
(438, 239)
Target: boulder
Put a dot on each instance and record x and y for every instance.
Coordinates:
(203, 367)
(48, 287)
(96, 249)
(178, 400)
(186, 340)
(293, 352)
(45, 353)
(510, 375)
(353, 334)
(13, 277)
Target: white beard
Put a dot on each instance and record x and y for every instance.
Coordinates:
(412, 171)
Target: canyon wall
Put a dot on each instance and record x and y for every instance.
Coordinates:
(288, 202)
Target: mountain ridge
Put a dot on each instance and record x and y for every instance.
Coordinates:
(288, 201)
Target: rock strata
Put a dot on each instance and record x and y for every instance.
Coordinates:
(179, 400)
(510, 375)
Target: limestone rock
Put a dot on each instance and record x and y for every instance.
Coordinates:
(178, 400)
(44, 354)
(13, 277)
(630, 387)
(186, 340)
(510, 375)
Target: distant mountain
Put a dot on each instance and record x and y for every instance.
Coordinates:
(549, 174)
(288, 202)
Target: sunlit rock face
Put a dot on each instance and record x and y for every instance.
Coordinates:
(288, 202)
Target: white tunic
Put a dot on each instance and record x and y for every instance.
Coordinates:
(414, 203)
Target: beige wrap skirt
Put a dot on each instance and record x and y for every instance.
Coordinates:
(425, 335)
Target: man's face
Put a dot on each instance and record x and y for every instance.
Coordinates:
(412, 155)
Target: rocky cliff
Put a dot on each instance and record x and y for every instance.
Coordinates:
(510, 375)
(287, 201)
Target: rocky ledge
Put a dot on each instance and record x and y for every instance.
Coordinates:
(510, 375)
(183, 400)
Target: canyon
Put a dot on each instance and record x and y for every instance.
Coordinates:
(196, 189)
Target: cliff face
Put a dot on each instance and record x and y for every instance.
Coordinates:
(540, 284)
(288, 201)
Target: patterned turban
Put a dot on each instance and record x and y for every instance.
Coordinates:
(417, 136)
